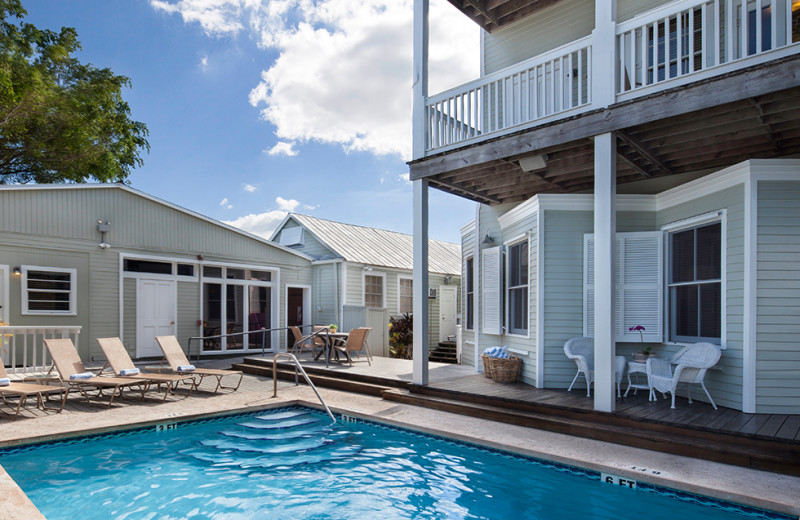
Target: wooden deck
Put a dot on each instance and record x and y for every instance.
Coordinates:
(697, 415)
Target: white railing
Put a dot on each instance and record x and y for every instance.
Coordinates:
(533, 90)
(23, 349)
(688, 37)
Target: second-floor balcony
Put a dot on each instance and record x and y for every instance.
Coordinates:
(676, 44)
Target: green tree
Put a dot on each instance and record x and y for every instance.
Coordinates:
(60, 120)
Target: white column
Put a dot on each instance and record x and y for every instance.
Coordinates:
(420, 288)
(604, 63)
(420, 78)
(605, 225)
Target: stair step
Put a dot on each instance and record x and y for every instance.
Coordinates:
(321, 371)
(337, 383)
(733, 451)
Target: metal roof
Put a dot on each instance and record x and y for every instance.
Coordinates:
(380, 247)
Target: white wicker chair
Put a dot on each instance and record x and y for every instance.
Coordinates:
(692, 363)
(581, 350)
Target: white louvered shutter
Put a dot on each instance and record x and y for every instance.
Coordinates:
(639, 289)
(492, 300)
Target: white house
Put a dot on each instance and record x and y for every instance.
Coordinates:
(634, 163)
(363, 276)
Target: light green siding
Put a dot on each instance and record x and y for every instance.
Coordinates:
(57, 227)
(778, 304)
(550, 28)
(725, 381)
(627, 9)
(563, 284)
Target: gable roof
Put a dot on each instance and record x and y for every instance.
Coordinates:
(379, 247)
(138, 193)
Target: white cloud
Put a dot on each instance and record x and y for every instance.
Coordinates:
(249, 188)
(405, 177)
(204, 62)
(286, 205)
(225, 203)
(261, 224)
(283, 148)
(343, 71)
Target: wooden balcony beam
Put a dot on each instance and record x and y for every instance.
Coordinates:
(640, 149)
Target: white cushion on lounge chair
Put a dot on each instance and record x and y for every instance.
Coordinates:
(186, 368)
(129, 372)
(5, 381)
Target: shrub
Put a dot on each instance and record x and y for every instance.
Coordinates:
(401, 336)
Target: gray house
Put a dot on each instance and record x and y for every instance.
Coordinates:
(363, 276)
(108, 260)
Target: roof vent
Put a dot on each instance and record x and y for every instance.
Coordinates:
(291, 237)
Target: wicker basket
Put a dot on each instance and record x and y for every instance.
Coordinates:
(502, 370)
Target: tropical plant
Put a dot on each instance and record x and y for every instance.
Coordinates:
(401, 336)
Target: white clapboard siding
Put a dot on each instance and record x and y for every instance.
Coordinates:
(492, 294)
(639, 293)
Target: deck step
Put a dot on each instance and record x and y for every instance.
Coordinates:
(322, 371)
(286, 373)
(444, 352)
(760, 454)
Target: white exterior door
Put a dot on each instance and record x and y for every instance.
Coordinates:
(155, 314)
(447, 312)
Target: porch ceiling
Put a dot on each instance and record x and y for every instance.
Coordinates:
(492, 14)
(761, 123)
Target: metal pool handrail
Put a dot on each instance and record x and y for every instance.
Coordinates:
(297, 366)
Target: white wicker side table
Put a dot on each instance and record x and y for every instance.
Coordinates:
(637, 368)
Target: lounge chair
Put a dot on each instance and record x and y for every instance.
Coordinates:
(356, 342)
(177, 361)
(120, 362)
(24, 390)
(71, 371)
(581, 351)
(303, 343)
(691, 362)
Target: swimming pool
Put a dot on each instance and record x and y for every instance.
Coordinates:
(288, 463)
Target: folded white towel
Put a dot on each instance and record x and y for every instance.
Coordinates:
(5, 381)
(129, 372)
(82, 375)
(186, 368)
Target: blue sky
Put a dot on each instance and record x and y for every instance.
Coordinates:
(258, 107)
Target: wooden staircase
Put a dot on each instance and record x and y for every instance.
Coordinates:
(772, 455)
(444, 352)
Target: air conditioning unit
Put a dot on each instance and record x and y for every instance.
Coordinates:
(431, 293)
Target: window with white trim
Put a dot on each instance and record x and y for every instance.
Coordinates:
(373, 291)
(695, 283)
(48, 290)
(405, 288)
(469, 291)
(517, 283)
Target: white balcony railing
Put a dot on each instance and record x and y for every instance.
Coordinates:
(23, 349)
(690, 37)
(662, 48)
(533, 90)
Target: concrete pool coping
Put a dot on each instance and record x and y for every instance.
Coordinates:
(731, 483)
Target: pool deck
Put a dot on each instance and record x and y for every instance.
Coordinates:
(741, 485)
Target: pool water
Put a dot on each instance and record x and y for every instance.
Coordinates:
(290, 463)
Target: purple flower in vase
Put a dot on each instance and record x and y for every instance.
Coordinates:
(640, 330)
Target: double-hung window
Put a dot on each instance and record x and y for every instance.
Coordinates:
(373, 291)
(517, 280)
(470, 293)
(695, 283)
(406, 293)
(48, 290)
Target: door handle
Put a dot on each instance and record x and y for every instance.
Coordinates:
(172, 323)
